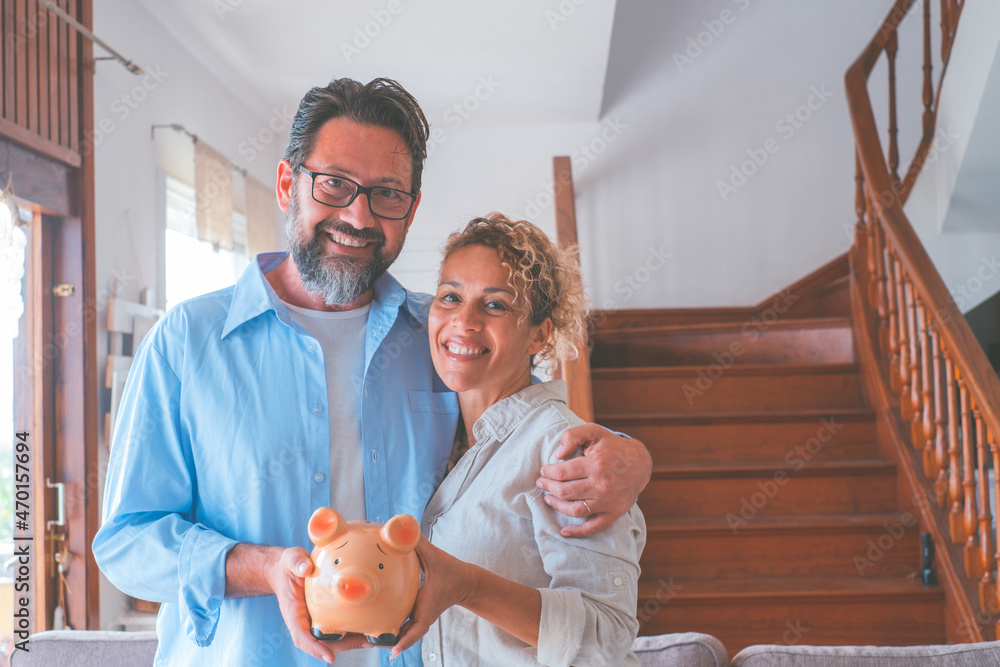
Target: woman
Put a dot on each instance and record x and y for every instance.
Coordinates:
(502, 586)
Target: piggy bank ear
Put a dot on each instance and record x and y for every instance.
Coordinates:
(325, 526)
(401, 532)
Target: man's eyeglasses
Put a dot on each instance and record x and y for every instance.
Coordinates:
(339, 192)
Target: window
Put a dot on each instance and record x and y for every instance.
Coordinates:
(193, 266)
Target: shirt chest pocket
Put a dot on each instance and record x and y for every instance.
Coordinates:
(434, 418)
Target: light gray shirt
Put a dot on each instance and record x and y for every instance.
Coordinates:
(488, 511)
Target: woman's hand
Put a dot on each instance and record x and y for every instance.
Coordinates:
(447, 581)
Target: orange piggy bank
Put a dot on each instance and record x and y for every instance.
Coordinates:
(365, 576)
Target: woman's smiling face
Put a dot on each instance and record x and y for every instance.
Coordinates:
(480, 340)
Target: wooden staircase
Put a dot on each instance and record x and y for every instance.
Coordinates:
(800, 446)
(772, 514)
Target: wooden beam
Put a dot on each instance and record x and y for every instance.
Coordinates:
(38, 143)
(576, 372)
(82, 86)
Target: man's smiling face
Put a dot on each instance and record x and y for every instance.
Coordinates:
(341, 252)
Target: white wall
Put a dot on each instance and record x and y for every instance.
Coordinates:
(691, 123)
(177, 90)
(647, 173)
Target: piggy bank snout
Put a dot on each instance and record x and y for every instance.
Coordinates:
(355, 586)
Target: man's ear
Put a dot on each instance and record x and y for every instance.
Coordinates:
(286, 175)
(413, 211)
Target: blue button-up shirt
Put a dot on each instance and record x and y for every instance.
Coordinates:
(223, 436)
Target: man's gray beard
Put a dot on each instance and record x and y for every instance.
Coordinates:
(337, 281)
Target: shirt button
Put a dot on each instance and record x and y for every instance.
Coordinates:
(432, 657)
(617, 581)
(317, 409)
(310, 347)
(502, 430)
(318, 477)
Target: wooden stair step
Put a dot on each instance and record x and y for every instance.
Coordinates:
(679, 437)
(754, 489)
(737, 388)
(804, 341)
(815, 610)
(884, 544)
(833, 299)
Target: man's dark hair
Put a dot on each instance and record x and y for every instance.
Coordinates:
(380, 102)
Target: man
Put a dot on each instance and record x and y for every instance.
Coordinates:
(308, 383)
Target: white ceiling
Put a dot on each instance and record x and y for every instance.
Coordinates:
(545, 61)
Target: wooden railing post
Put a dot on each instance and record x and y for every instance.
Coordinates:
(927, 425)
(895, 347)
(986, 589)
(995, 449)
(941, 485)
(916, 425)
(955, 523)
(890, 52)
(873, 259)
(879, 280)
(905, 405)
(928, 70)
(576, 372)
(969, 482)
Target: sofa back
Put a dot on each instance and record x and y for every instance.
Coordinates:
(87, 648)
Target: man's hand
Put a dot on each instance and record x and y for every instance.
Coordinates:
(258, 570)
(603, 484)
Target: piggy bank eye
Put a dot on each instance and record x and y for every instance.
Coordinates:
(380, 566)
(336, 562)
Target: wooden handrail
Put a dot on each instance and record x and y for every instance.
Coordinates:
(913, 312)
(954, 330)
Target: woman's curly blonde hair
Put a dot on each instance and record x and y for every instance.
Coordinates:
(544, 277)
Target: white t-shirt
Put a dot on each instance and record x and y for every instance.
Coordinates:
(341, 336)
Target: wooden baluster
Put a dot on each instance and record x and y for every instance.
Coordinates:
(951, 11)
(916, 397)
(987, 600)
(891, 46)
(905, 404)
(927, 430)
(945, 28)
(872, 261)
(941, 450)
(895, 377)
(928, 69)
(955, 522)
(996, 503)
(952, 21)
(860, 229)
(969, 482)
(878, 240)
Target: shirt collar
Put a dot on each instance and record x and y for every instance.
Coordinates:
(253, 295)
(504, 416)
(388, 292)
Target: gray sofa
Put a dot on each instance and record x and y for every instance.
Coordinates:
(688, 649)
